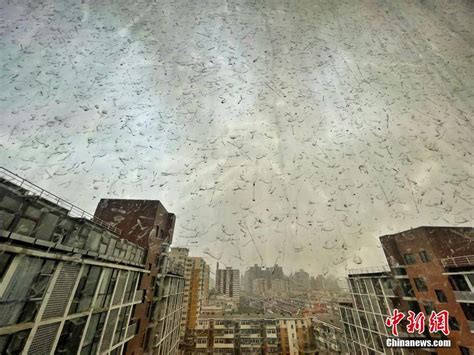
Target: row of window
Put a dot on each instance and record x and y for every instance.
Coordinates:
(375, 286)
(411, 258)
(72, 333)
(31, 277)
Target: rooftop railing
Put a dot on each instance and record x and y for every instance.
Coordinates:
(35, 190)
(369, 270)
(458, 261)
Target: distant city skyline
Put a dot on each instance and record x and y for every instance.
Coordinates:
(298, 142)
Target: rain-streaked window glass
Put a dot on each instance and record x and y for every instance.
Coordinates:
(297, 161)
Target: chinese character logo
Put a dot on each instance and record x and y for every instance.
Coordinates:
(438, 322)
(415, 322)
(394, 320)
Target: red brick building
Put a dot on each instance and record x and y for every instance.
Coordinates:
(148, 224)
(434, 267)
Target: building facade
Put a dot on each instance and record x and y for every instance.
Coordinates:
(228, 282)
(300, 281)
(254, 335)
(434, 269)
(169, 295)
(329, 337)
(196, 292)
(148, 224)
(373, 298)
(68, 281)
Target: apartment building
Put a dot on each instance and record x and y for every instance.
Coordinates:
(373, 298)
(148, 224)
(254, 335)
(180, 256)
(329, 336)
(228, 282)
(434, 268)
(69, 281)
(222, 301)
(196, 292)
(169, 295)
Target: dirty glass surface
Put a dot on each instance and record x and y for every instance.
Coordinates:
(286, 137)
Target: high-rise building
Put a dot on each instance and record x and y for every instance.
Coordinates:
(196, 291)
(300, 281)
(373, 298)
(260, 287)
(430, 270)
(257, 272)
(148, 224)
(180, 256)
(434, 268)
(69, 281)
(169, 296)
(228, 282)
(279, 288)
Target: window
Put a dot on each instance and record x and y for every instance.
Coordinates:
(468, 309)
(377, 287)
(5, 260)
(409, 258)
(121, 324)
(131, 285)
(464, 350)
(420, 284)
(24, 293)
(470, 277)
(414, 306)
(13, 343)
(458, 283)
(453, 323)
(71, 336)
(94, 332)
(407, 288)
(441, 296)
(424, 256)
(399, 271)
(429, 308)
(106, 288)
(85, 290)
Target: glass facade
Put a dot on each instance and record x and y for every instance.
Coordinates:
(364, 320)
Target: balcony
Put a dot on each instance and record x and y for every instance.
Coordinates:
(225, 336)
(458, 261)
(250, 336)
(223, 345)
(464, 296)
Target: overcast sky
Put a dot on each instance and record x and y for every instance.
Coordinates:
(289, 132)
